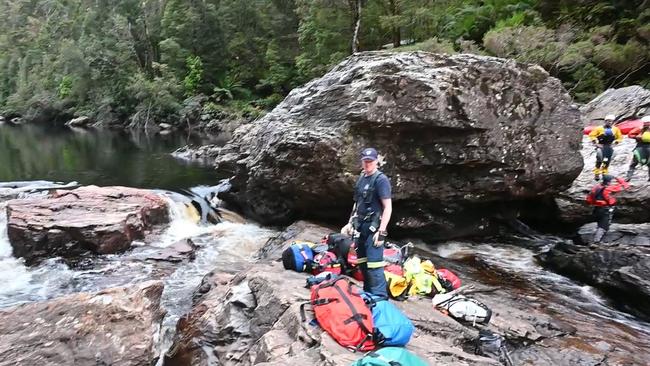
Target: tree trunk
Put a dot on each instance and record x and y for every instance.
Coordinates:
(357, 24)
(397, 35)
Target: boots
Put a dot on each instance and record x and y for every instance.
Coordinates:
(597, 172)
(598, 236)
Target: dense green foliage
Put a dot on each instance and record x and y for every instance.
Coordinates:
(138, 61)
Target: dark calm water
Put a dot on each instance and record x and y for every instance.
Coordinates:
(100, 157)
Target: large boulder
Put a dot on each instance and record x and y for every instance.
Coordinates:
(633, 203)
(117, 326)
(624, 103)
(620, 266)
(97, 219)
(464, 138)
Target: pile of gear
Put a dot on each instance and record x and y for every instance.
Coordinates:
(361, 321)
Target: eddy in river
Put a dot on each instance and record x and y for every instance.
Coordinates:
(603, 137)
(368, 221)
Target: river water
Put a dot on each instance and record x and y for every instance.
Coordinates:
(138, 160)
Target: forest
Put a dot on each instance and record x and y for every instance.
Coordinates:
(129, 62)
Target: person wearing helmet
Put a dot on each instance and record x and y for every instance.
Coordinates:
(641, 153)
(603, 137)
(601, 197)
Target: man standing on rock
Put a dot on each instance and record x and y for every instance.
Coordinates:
(641, 153)
(603, 137)
(370, 216)
(601, 197)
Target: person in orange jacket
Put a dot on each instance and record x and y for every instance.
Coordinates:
(601, 197)
(603, 137)
(641, 153)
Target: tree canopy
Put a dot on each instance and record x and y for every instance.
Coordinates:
(135, 61)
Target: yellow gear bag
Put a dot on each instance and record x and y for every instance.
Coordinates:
(422, 281)
(398, 286)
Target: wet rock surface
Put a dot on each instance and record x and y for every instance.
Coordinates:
(620, 265)
(624, 103)
(253, 317)
(632, 204)
(465, 138)
(116, 326)
(97, 219)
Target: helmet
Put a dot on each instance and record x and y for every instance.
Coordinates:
(610, 117)
(606, 179)
(646, 120)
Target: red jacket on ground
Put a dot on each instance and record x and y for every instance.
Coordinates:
(602, 195)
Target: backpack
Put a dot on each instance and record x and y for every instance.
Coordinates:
(422, 277)
(492, 345)
(326, 262)
(394, 269)
(448, 279)
(392, 254)
(390, 356)
(398, 285)
(342, 312)
(340, 245)
(298, 257)
(463, 308)
(392, 327)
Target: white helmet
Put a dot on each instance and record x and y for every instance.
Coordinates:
(610, 117)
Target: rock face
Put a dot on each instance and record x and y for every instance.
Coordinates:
(464, 138)
(97, 219)
(620, 266)
(253, 317)
(632, 203)
(82, 121)
(113, 327)
(624, 103)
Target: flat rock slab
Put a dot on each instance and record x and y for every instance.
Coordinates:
(102, 220)
(117, 326)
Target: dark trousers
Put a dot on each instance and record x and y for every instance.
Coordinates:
(603, 216)
(604, 156)
(640, 155)
(371, 262)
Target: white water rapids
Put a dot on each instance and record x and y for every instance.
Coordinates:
(224, 245)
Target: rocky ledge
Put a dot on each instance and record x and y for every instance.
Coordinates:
(97, 219)
(620, 266)
(253, 317)
(117, 326)
(466, 140)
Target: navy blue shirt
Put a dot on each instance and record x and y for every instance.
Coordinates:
(382, 191)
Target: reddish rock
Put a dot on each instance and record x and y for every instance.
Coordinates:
(98, 219)
(117, 326)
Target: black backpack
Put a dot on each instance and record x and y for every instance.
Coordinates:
(492, 345)
(340, 245)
